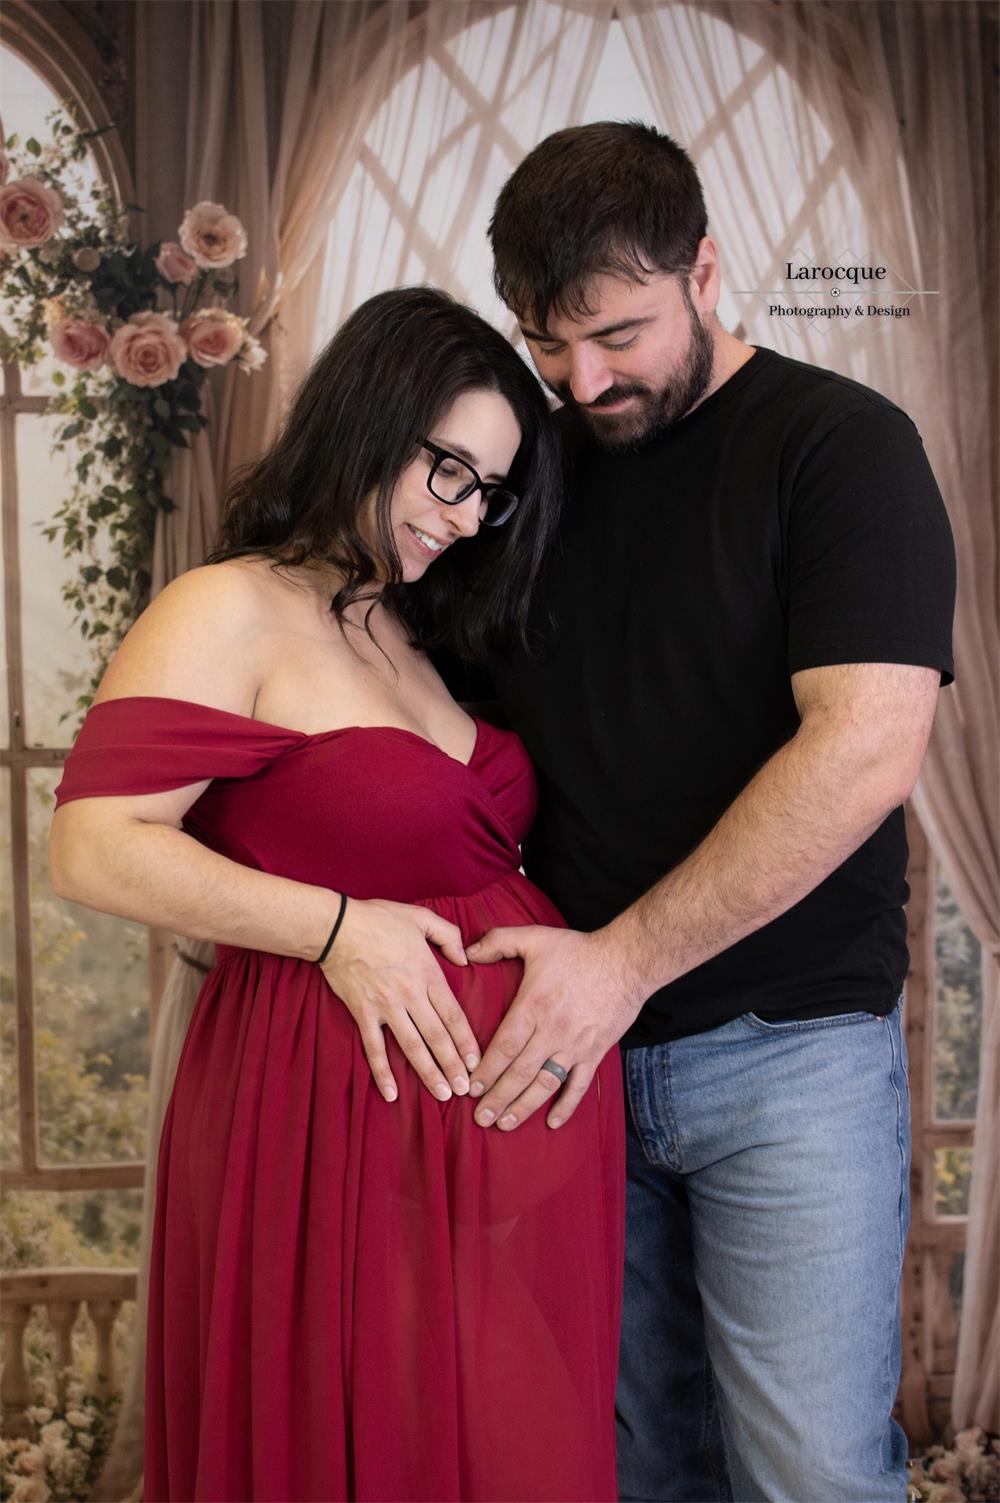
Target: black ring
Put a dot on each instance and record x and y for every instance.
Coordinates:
(556, 1070)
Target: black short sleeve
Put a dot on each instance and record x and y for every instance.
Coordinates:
(870, 555)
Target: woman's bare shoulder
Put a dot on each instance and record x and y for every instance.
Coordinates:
(198, 639)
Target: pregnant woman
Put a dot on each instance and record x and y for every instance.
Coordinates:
(356, 1292)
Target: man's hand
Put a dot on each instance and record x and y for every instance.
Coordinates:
(573, 1005)
(385, 973)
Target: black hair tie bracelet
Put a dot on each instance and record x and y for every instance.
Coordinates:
(333, 932)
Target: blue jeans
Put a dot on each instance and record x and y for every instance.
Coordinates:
(767, 1208)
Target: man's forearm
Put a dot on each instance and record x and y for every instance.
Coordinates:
(812, 803)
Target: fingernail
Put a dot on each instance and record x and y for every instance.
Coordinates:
(507, 1122)
(390, 1093)
(472, 1060)
(459, 1084)
(476, 1088)
(555, 1122)
(485, 1118)
(443, 1092)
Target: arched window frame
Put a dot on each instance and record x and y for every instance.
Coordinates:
(53, 43)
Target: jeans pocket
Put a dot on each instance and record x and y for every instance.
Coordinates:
(809, 1025)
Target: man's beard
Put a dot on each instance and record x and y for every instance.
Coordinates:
(657, 409)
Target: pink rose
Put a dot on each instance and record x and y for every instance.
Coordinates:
(30, 212)
(174, 266)
(212, 236)
(214, 335)
(80, 344)
(148, 350)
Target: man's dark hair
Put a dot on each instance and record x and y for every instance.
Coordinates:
(371, 397)
(617, 198)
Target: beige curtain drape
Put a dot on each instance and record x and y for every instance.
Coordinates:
(887, 154)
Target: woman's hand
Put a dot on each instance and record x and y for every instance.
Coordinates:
(382, 968)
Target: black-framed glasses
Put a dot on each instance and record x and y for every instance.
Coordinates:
(452, 480)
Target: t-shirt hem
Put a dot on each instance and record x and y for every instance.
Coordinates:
(870, 650)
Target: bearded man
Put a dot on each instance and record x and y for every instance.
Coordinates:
(740, 641)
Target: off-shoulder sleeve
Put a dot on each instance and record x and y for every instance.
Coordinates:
(147, 744)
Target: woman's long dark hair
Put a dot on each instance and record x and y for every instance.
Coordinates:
(375, 392)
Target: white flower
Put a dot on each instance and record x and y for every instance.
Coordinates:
(30, 1461)
(30, 1490)
(39, 1414)
(51, 252)
(79, 1419)
(56, 1432)
(86, 1441)
(252, 354)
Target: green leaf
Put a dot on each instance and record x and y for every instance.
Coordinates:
(99, 629)
(161, 408)
(32, 145)
(117, 578)
(71, 431)
(91, 573)
(12, 141)
(86, 406)
(191, 424)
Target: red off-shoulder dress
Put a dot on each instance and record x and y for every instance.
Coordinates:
(352, 1298)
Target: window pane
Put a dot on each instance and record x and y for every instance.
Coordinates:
(57, 659)
(70, 1228)
(952, 1174)
(78, 1228)
(92, 1016)
(958, 967)
(27, 99)
(10, 1145)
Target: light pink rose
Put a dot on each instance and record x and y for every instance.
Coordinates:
(174, 266)
(30, 212)
(148, 350)
(212, 236)
(81, 344)
(214, 335)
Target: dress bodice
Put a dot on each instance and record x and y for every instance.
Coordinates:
(377, 811)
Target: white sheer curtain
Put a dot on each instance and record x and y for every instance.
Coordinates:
(862, 133)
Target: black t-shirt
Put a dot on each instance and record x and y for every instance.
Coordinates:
(791, 521)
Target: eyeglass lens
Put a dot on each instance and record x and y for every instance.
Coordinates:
(451, 480)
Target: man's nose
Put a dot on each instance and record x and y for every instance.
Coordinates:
(588, 374)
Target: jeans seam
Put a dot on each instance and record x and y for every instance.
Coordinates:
(639, 1071)
(811, 1025)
